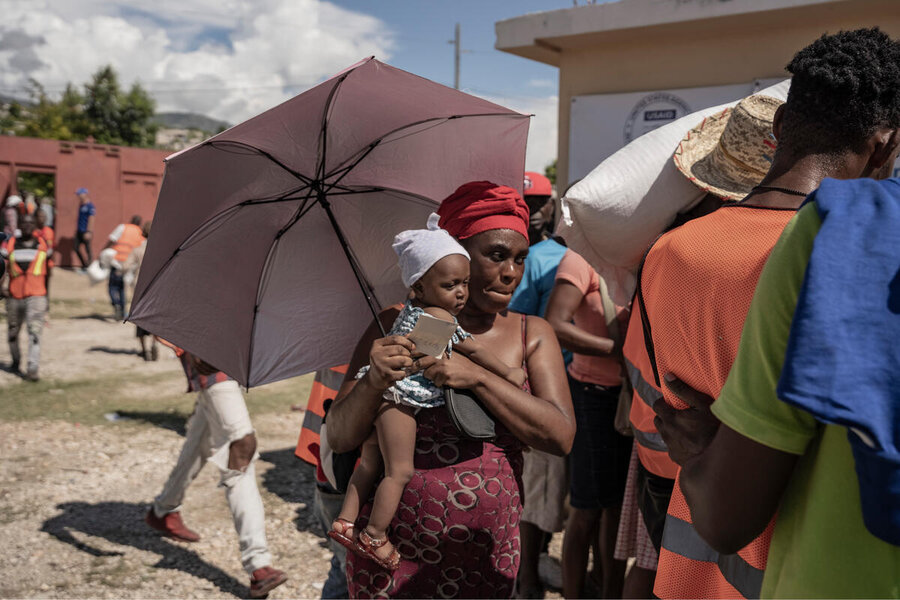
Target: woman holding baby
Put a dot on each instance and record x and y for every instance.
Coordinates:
(456, 528)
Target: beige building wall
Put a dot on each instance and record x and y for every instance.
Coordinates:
(730, 49)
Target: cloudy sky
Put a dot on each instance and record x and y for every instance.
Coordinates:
(232, 59)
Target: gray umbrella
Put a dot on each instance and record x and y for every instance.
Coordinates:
(271, 244)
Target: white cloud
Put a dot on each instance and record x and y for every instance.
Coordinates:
(228, 59)
(542, 137)
(542, 83)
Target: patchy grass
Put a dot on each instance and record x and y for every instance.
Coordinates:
(157, 399)
(66, 308)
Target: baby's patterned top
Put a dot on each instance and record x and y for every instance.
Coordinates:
(416, 389)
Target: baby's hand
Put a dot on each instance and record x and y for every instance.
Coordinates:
(516, 376)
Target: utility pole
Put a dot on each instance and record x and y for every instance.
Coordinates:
(456, 52)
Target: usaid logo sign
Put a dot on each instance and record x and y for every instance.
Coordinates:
(652, 111)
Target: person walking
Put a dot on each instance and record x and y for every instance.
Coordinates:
(26, 258)
(84, 234)
(132, 269)
(124, 239)
(219, 432)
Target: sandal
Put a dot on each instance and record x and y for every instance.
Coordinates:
(366, 546)
(341, 536)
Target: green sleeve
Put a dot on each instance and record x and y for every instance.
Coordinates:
(748, 403)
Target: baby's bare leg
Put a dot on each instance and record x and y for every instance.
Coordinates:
(363, 478)
(396, 427)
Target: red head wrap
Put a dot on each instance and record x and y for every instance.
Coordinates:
(481, 206)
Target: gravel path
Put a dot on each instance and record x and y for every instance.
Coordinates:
(73, 496)
(72, 501)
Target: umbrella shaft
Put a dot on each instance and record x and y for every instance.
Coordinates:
(357, 271)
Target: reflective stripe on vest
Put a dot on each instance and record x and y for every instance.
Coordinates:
(39, 263)
(652, 450)
(648, 395)
(683, 545)
(325, 386)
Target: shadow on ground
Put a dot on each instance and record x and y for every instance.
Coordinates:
(108, 350)
(122, 523)
(95, 317)
(294, 481)
(165, 420)
(7, 368)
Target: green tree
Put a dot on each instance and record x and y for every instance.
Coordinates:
(550, 172)
(116, 117)
(72, 107)
(104, 111)
(10, 118)
(45, 118)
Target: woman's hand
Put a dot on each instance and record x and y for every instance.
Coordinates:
(456, 371)
(391, 359)
(687, 432)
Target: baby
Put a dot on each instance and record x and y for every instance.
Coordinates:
(436, 269)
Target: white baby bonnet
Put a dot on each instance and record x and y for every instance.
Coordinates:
(419, 249)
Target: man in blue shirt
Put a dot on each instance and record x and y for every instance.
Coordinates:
(531, 296)
(85, 232)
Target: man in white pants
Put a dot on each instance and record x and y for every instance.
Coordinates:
(220, 432)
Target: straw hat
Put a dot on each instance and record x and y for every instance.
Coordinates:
(730, 152)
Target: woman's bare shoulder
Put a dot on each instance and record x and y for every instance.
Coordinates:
(537, 331)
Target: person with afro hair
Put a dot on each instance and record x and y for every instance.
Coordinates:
(746, 454)
(844, 88)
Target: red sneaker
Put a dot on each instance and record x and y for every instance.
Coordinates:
(265, 580)
(171, 526)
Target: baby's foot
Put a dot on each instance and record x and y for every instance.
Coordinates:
(344, 533)
(379, 549)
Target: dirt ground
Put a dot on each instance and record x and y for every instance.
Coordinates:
(86, 449)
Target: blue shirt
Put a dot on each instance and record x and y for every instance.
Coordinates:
(533, 293)
(85, 211)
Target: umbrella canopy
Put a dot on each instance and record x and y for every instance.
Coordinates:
(271, 244)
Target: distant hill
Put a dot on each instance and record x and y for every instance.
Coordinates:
(4, 99)
(178, 120)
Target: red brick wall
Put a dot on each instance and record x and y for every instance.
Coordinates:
(121, 181)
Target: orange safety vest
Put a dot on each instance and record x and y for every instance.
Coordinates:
(325, 386)
(32, 281)
(130, 239)
(651, 449)
(697, 283)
